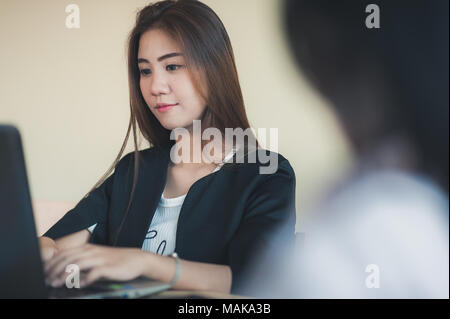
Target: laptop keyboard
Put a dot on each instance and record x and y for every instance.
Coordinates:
(64, 292)
(131, 289)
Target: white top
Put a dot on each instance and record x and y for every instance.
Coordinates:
(161, 235)
(160, 238)
(385, 234)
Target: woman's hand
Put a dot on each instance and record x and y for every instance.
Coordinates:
(48, 248)
(98, 262)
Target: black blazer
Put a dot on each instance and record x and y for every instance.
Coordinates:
(227, 217)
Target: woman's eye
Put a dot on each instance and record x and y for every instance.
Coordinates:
(145, 72)
(173, 67)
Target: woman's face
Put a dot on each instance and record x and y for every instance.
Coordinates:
(166, 80)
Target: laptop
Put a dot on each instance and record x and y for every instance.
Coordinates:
(21, 268)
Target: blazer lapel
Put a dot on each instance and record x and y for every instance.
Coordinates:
(151, 182)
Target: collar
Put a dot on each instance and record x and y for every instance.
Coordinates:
(153, 165)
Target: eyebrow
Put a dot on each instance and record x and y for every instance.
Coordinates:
(161, 58)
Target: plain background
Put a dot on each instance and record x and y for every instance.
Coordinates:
(67, 92)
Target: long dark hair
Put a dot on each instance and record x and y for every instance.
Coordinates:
(207, 48)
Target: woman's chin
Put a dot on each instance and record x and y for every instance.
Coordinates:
(175, 124)
(172, 126)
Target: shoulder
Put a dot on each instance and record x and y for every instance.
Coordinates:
(382, 197)
(266, 164)
(267, 174)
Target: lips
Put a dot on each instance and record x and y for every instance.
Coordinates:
(165, 107)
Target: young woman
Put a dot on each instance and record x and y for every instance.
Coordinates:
(215, 214)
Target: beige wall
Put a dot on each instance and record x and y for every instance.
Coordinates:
(66, 90)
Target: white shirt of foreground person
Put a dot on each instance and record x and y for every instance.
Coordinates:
(383, 235)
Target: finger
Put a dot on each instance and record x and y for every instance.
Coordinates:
(82, 265)
(59, 267)
(58, 270)
(61, 254)
(47, 254)
(93, 275)
(86, 263)
(58, 282)
(58, 256)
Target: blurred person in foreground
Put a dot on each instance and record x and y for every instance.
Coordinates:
(382, 232)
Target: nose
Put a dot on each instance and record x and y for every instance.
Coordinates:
(159, 84)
